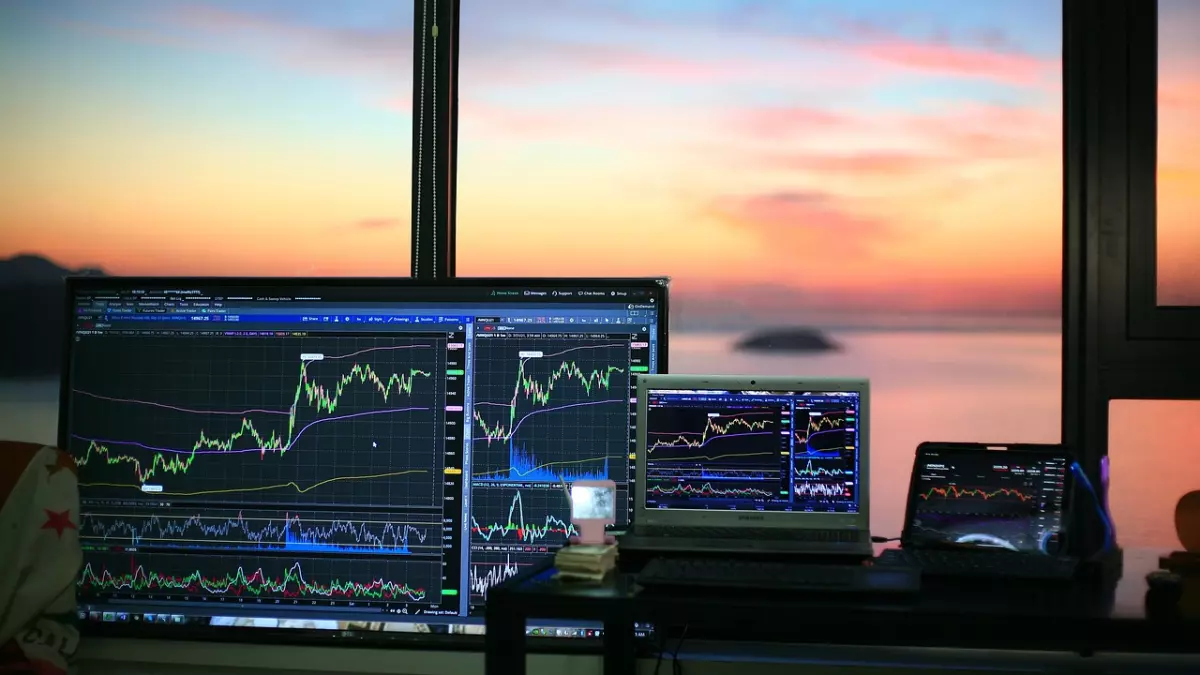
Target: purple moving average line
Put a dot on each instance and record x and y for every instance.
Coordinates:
(179, 409)
(535, 412)
(260, 450)
(710, 440)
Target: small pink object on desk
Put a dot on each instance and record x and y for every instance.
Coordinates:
(593, 506)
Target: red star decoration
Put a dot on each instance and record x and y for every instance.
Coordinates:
(62, 461)
(58, 521)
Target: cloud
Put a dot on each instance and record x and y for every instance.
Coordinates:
(947, 59)
(777, 122)
(374, 224)
(792, 215)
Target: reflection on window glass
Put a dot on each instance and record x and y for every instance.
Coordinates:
(885, 174)
(219, 137)
(1178, 152)
(1153, 465)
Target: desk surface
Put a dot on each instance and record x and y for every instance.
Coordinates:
(958, 614)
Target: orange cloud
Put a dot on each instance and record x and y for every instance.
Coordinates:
(795, 214)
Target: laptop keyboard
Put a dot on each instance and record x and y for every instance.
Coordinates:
(761, 533)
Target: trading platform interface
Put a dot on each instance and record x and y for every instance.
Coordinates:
(752, 450)
(1000, 500)
(266, 449)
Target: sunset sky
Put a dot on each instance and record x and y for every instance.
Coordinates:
(853, 154)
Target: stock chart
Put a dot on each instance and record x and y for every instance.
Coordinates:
(714, 452)
(512, 527)
(216, 529)
(550, 409)
(824, 456)
(167, 576)
(330, 419)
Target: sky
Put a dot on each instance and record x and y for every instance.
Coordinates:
(838, 156)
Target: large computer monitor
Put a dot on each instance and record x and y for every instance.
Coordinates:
(341, 450)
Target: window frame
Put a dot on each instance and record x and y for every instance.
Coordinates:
(1147, 319)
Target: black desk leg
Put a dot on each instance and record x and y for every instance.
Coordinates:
(620, 647)
(504, 641)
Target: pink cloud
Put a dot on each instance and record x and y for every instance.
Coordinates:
(797, 214)
(779, 122)
(376, 224)
(890, 162)
(936, 57)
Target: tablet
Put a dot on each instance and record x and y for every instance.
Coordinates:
(1001, 497)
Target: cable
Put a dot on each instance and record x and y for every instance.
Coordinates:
(883, 540)
(662, 650)
(1087, 484)
(676, 666)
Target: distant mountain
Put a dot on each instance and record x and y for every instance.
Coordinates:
(32, 304)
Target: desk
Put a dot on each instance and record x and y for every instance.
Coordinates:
(955, 615)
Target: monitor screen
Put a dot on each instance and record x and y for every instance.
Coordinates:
(1014, 501)
(752, 450)
(341, 450)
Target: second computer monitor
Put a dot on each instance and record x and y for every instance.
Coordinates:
(344, 449)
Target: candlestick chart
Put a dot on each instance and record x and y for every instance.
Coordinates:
(547, 409)
(721, 438)
(265, 530)
(1015, 500)
(265, 578)
(329, 419)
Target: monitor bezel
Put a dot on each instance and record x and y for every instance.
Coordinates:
(980, 449)
(771, 519)
(77, 284)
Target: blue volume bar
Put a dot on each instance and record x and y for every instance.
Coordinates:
(523, 466)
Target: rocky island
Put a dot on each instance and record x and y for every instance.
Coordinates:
(806, 340)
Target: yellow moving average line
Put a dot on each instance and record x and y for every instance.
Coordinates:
(262, 488)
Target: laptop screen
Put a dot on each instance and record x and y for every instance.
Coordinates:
(981, 498)
(752, 450)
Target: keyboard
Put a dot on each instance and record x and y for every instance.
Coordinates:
(981, 564)
(759, 533)
(777, 577)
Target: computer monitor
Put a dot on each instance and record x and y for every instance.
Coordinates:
(345, 450)
(716, 447)
(1010, 498)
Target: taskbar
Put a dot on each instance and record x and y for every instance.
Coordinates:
(446, 625)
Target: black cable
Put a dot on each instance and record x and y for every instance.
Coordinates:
(662, 650)
(676, 666)
(883, 540)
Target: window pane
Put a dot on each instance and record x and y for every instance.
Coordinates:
(1178, 152)
(885, 173)
(222, 137)
(1142, 495)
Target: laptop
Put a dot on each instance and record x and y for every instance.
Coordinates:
(744, 464)
(995, 498)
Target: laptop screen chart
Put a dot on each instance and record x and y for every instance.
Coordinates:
(752, 450)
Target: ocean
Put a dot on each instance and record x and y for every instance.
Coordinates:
(925, 386)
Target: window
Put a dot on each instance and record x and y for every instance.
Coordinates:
(1152, 467)
(1178, 153)
(154, 137)
(888, 176)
